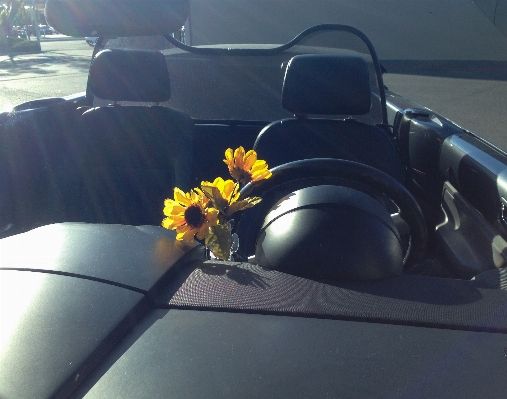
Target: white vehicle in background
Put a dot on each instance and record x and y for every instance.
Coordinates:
(45, 30)
(91, 40)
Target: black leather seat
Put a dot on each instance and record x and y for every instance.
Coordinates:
(131, 156)
(322, 86)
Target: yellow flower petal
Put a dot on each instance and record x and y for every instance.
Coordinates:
(172, 223)
(250, 159)
(204, 198)
(239, 155)
(228, 189)
(261, 175)
(245, 167)
(186, 235)
(166, 223)
(181, 197)
(229, 155)
(170, 210)
(219, 183)
(194, 197)
(170, 202)
(258, 165)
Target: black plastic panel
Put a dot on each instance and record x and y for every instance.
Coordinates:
(478, 171)
(468, 241)
(196, 354)
(136, 257)
(421, 134)
(55, 329)
(408, 300)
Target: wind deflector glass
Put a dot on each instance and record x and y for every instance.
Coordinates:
(244, 82)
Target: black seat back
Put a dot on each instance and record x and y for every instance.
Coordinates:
(317, 88)
(131, 156)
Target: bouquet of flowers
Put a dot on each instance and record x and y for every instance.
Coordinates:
(204, 213)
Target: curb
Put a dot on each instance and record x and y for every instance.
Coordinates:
(44, 40)
(48, 38)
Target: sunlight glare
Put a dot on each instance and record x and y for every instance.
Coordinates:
(46, 245)
(288, 202)
(14, 302)
(7, 108)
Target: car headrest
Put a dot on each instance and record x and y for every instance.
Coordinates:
(327, 85)
(130, 75)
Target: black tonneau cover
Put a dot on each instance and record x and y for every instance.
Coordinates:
(222, 329)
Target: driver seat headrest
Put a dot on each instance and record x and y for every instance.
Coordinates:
(130, 75)
(323, 84)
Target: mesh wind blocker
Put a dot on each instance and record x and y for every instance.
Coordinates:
(406, 300)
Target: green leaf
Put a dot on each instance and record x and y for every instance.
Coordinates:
(219, 241)
(243, 204)
(213, 193)
(208, 191)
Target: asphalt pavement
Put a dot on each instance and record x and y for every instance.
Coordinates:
(475, 105)
(59, 70)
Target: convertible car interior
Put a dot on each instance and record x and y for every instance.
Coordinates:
(373, 267)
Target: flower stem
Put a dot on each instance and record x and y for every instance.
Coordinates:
(236, 187)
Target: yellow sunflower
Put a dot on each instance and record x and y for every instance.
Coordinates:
(189, 215)
(245, 167)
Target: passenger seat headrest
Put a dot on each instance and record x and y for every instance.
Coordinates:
(327, 85)
(130, 75)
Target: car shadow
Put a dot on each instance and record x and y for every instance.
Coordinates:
(42, 64)
(459, 69)
(239, 275)
(241, 280)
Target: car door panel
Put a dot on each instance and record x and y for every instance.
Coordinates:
(461, 182)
